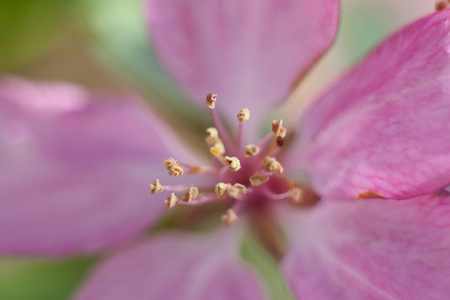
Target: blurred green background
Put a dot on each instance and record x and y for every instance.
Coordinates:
(103, 45)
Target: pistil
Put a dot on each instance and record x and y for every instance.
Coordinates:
(210, 101)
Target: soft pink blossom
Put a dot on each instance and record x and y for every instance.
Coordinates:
(373, 147)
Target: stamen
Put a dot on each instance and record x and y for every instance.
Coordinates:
(295, 195)
(218, 148)
(178, 188)
(156, 187)
(243, 115)
(262, 144)
(208, 198)
(278, 129)
(233, 163)
(211, 100)
(174, 167)
(232, 191)
(242, 190)
(257, 179)
(171, 201)
(236, 190)
(270, 164)
(229, 217)
(250, 151)
(280, 141)
(220, 190)
(202, 170)
(191, 194)
(213, 135)
(440, 5)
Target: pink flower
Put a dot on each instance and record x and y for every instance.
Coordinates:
(374, 148)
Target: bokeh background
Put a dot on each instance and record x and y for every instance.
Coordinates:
(103, 45)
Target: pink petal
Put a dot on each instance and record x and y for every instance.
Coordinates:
(175, 266)
(250, 52)
(372, 249)
(74, 171)
(383, 127)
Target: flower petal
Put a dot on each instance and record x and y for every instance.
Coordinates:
(75, 170)
(249, 52)
(175, 266)
(372, 249)
(382, 129)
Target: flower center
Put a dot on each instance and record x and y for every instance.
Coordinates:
(250, 176)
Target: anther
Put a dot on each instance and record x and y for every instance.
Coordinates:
(156, 187)
(171, 201)
(243, 115)
(221, 189)
(232, 191)
(250, 150)
(295, 195)
(218, 148)
(257, 179)
(270, 164)
(229, 217)
(280, 141)
(175, 169)
(242, 190)
(213, 135)
(211, 100)
(236, 190)
(440, 5)
(191, 194)
(278, 129)
(195, 170)
(233, 163)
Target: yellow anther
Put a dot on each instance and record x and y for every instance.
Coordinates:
(221, 189)
(171, 201)
(257, 179)
(211, 100)
(213, 135)
(218, 148)
(278, 129)
(233, 163)
(243, 115)
(175, 169)
(270, 164)
(241, 188)
(232, 191)
(250, 150)
(295, 195)
(236, 190)
(229, 217)
(191, 194)
(170, 162)
(156, 187)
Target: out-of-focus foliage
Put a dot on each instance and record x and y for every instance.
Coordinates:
(267, 267)
(41, 280)
(28, 28)
(118, 27)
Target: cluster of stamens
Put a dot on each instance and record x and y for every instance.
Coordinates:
(253, 165)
